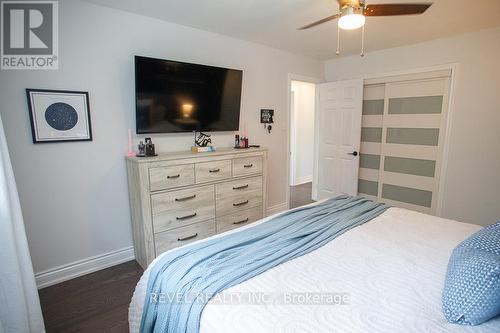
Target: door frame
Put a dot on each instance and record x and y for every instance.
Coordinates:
(293, 140)
(454, 68)
(295, 77)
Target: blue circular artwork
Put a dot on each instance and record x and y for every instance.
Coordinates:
(61, 116)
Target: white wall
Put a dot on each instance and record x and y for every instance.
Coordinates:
(472, 189)
(302, 141)
(74, 196)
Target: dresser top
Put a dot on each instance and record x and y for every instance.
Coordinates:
(189, 154)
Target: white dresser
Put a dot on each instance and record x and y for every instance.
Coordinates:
(178, 198)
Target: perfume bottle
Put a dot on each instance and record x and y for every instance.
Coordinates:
(141, 149)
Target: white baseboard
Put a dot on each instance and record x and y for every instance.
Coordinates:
(276, 208)
(303, 180)
(82, 267)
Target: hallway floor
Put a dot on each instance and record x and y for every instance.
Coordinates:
(300, 195)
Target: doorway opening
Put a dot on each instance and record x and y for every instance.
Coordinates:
(302, 122)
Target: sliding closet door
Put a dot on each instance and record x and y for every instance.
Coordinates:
(404, 126)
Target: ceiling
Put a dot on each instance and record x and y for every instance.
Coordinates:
(275, 22)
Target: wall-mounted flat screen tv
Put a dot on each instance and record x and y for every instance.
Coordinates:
(173, 96)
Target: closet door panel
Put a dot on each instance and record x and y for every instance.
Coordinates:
(410, 166)
(413, 136)
(373, 107)
(371, 140)
(416, 105)
(369, 161)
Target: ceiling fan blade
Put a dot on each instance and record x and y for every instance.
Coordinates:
(326, 19)
(396, 9)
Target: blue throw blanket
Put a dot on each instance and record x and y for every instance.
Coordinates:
(209, 267)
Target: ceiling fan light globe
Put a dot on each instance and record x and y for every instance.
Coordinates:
(352, 21)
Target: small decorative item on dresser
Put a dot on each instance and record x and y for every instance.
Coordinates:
(58, 115)
(202, 149)
(242, 143)
(201, 143)
(150, 147)
(141, 147)
(146, 149)
(203, 140)
(236, 141)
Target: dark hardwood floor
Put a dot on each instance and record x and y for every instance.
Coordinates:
(97, 302)
(300, 195)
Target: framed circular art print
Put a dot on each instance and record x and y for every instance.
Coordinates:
(59, 115)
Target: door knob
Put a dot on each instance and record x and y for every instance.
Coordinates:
(354, 153)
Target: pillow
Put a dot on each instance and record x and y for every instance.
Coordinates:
(471, 292)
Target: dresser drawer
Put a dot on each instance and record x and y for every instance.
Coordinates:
(211, 171)
(239, 219)
(238, 195)
(178, 208)
(162, 178)
(247, 165)
(184, 235)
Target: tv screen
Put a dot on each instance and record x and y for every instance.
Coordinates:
(174, 96)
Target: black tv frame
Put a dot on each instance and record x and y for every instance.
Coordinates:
(136, 57)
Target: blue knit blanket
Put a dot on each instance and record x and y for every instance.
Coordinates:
(209, 267)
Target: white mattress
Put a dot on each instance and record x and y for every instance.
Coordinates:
(392, 269)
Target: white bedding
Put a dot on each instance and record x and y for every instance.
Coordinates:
(392, 269)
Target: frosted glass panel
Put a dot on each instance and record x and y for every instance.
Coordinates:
(374, 107)
(416, 105)
(369, 161)
(406, 194)
(371, 134)
(367, 187)
(413, 136)
(411, 166)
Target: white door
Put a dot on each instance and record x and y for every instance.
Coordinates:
(338, 136)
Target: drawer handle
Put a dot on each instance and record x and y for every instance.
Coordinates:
(186, 217)
(213, 170)
(242, 221)
(187, 238)
(186, 198)
(173, 177)
(240, 187)
(240, 203)
(248, 165)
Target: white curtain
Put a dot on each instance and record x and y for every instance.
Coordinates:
(19, 303)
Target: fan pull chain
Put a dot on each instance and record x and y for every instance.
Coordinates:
(338, 40)
(362, 41)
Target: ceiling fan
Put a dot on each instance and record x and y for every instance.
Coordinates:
(353, 14)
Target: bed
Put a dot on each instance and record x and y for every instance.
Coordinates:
(389, 272)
